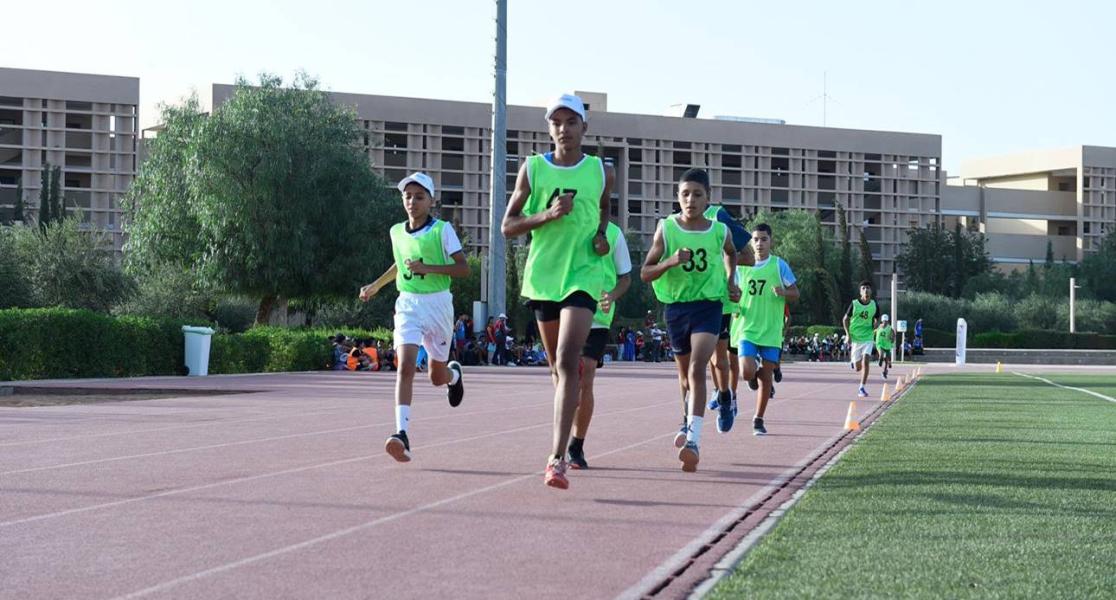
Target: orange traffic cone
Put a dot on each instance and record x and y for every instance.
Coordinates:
(851, 424)
(899, 385)
(884, 397)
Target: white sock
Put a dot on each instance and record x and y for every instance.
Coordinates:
(402, 417)
(694, 435)
(454, 376)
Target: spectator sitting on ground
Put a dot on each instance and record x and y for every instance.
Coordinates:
(339, 350)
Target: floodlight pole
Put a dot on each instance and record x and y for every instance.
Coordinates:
(498, 185)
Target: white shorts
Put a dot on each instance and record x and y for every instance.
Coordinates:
(860, 350)
(426, 320)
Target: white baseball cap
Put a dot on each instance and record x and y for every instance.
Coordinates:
(420, 178)
(569, 101)
(885, 317)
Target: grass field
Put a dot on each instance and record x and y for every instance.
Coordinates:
(986, 486)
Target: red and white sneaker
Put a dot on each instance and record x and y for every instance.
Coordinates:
(555, 475)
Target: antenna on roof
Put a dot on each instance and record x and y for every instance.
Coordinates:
(824, 97)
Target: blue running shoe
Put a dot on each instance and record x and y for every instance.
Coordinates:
(726, 415)
(714, 402)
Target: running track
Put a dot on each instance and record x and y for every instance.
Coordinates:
(287, 493)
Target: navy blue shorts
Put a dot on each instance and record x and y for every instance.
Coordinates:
(684, 319)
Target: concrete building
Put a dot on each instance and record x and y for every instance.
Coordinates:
(87, 124)
(888, 181)
(1066, 197)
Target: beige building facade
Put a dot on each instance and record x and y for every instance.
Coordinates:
(86, 124)
(1066, 197)
(888, 181)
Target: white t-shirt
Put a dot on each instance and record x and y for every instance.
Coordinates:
(785, 272)
(623, 264)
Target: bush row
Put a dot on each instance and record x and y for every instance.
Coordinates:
(58, 343)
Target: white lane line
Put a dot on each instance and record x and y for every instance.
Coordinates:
(1066, 387)
(251, 441)
(217, 421)
(672, 564)
(334, 463)
(361, 527)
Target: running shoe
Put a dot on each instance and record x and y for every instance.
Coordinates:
(862, 393)
(714, 401)
(399, 447)
(772, 391)
(753, 383)
(885, 373)
(576, 456)
(680, 437)
(778, 373)
(689, 457)
(456, 391)
(555, 474)
(757, 426)
(725, 416)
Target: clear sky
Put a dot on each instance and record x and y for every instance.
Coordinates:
(990, 77)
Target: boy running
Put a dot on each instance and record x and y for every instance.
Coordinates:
(860, 321)
(766, 288)
(724, 364)
(427, 254)
(885, 341)
(562, 199)
(682, 268)
(617, 267)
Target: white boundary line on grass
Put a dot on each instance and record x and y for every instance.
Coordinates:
(729, 562)
(1067, 387)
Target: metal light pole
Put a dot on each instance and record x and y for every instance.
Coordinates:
(1073, 301)
(498, 191)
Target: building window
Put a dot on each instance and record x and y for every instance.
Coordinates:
(450, 130)
(395, 126)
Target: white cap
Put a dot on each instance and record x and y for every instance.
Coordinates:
(502, 316)
(420, 178)
(569, 101)
(885, 317)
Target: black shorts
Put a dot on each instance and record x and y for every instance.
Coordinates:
(687, 318)
(549, 310)
(595, 346)
(726, 322)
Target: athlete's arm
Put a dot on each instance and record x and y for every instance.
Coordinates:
(600, 241)
(373, 288)
(845, 322)
(515, 224)
(459, 268)
(652, 268)
(610, 297)
(730, 269)
(790, 293)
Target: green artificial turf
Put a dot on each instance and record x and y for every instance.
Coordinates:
(983, 486)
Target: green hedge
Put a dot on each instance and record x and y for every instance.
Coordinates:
(56, 343)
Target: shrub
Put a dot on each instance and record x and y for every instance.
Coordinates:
(1045, 340)
(49, 343)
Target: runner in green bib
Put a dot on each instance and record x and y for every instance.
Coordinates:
(427, 254)
(860, 321)
(765, 288)
(616, 267)
(885, 341)
(724, 364)
(689, 265)
(562, 200)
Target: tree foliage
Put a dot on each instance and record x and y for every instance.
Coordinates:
(271, 196)
(940, 261)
